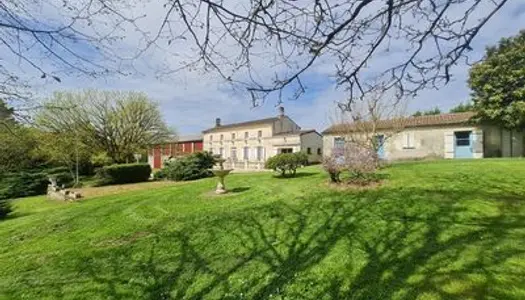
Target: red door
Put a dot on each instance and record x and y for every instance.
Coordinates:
(197, 146)
(187, 147)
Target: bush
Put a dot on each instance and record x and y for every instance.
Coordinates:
(287, 162)
(5, 208)
(302, 158)
(124, 173)
(360, 160)
(334, 165)
(159, 174)
(191, 167)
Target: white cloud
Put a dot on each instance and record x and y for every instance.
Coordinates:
(191, 100)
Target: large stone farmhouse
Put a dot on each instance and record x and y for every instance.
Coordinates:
(434, 136)
(247, 145)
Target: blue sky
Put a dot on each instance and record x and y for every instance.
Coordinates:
(191, 100)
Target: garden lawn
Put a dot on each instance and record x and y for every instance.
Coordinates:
(434, 230)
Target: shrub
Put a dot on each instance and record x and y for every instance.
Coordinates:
(302, 158)
(100, 160)
(5, 208)
(334, 165)
(191, 167)
(159, 174)
(124, 173)
(360, 160)
(287, 162)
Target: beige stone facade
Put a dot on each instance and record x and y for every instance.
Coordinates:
(435, 138)
(249, 144)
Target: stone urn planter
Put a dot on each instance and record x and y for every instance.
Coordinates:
(221, 173)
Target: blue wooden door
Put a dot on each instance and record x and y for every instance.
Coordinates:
(380, 141)
(463, 144)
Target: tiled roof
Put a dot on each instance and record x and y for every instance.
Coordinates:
(300, 132)
(189, 138)
(185, 138)
(421, 121)
(248, 123)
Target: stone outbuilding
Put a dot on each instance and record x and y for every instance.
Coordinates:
(446, 135)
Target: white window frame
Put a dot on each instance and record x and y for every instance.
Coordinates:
(408, 140)
(259, 155)
(233, 153)
(246, 153)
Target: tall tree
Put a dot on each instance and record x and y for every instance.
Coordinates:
(462, 107)
(6, 113)
(430, 112)
(118, 123)
(19, 148)
(498, 83)
(265, 46)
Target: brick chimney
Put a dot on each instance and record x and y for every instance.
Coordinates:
(218, 122)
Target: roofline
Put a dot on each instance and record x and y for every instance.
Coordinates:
(243, 124)
(310, 131)
(462, 122)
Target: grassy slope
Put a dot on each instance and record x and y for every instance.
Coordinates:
(436, 230)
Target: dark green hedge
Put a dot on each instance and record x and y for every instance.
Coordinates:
(124, 173)
(21, 184)
(194, 166)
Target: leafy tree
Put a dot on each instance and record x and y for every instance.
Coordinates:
(118, 123)
(498, 83)
(6, 113)
(462, 108)
(19, 148)
(434, 111)
(66, 150)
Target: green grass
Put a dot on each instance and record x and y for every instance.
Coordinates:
(435, 230)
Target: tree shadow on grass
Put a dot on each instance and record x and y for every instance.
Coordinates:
(297, 175)
(239, 189)
(378, 244)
